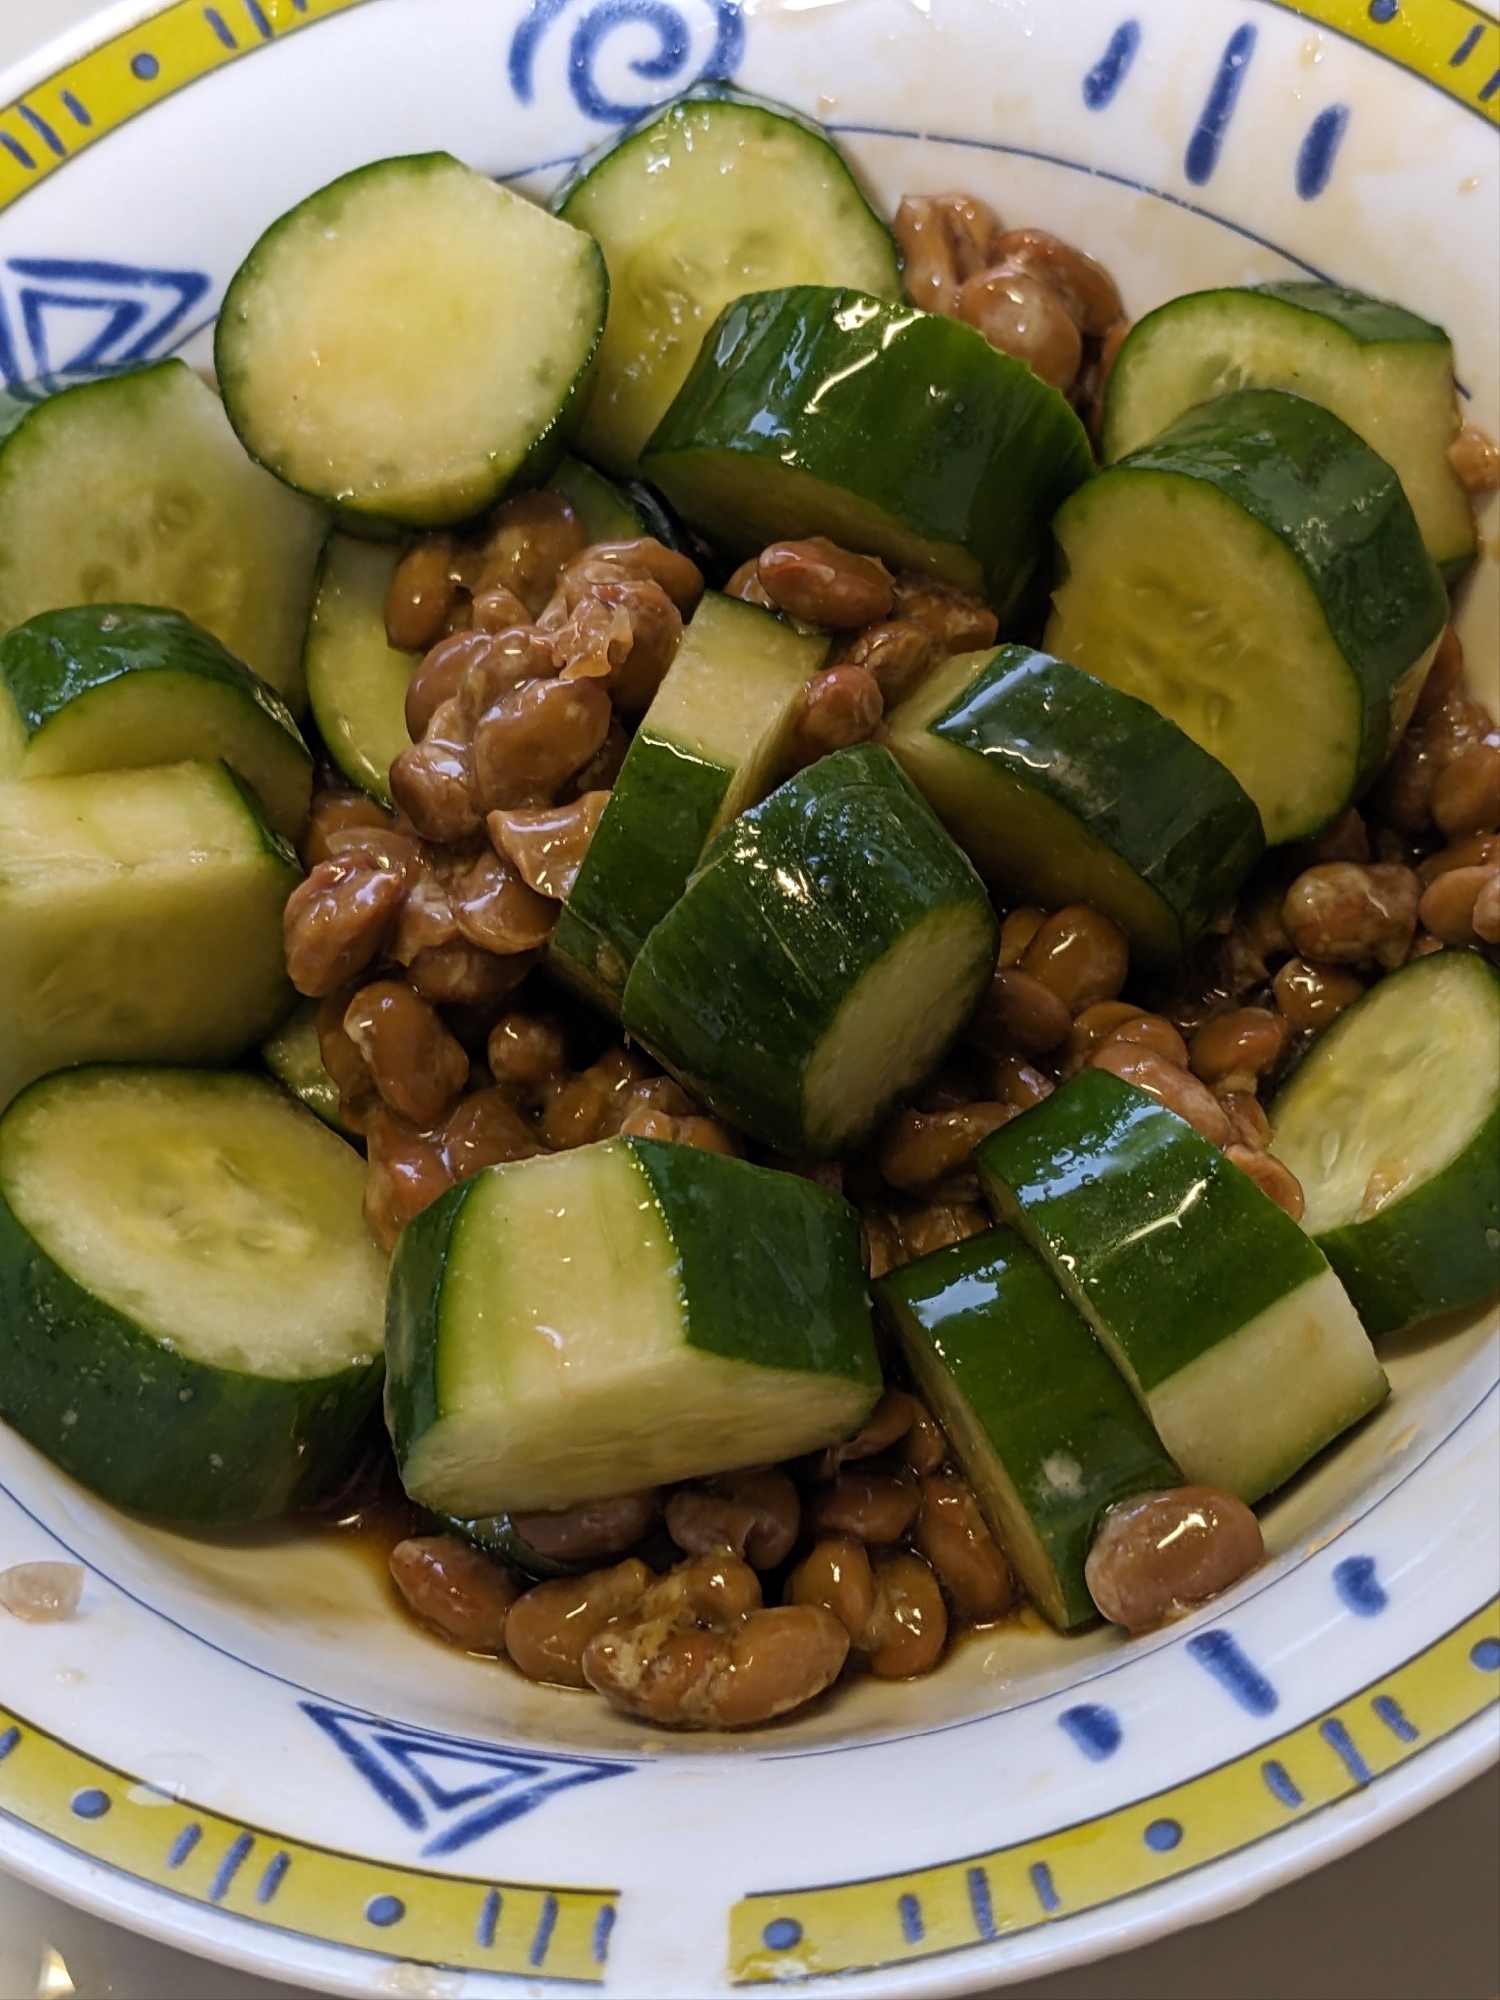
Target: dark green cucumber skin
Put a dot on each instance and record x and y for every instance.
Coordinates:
(413, 1310)
(778, 925)
(58, 656)
(140, 1424)
(495, 1535)
(1038, 1383)
(911, 413)
(772, 1266)
(645, 847)
(1092, 1178)
(1339, 508)
(1372, 322)
(1438, 1248)
(1129, 776)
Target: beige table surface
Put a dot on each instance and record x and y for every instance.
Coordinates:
(1415, 1916)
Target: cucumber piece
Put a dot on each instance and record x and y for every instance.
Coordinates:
(708, 747)
(293, 1057)
(830, 947)
(631, 1312)
(107, 687)
(1386, 373)
(604, 510)
(497, 1536)
(134, 490)
(408, 340)
(1392, 1124)
(892, 431)
(1224, 1318)
(1256, 574)
(1060, 789)
(1046, 1431)
(356, 680)
(141, 912)
(190, 1305)
(712, 196)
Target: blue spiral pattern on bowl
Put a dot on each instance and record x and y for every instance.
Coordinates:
(671, 65)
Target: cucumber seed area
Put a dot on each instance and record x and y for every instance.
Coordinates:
(774, 960)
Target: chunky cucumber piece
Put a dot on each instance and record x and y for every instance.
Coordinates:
(713, 196)
(830, 947)
(708, 747)
(293, 1057)
(1257, 575)
(604, 510)
(356, 680)
(892, 431)
(1386, 373)
(190, 1305)
(1046, 1431)
(1392, 1124)
(1222, 1316)
(1060, 789)
(134, 490)
(406, 340)
(106, 687)
(591, 1322)
(141, 913)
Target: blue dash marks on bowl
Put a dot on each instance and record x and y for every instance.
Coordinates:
(1208, 135)
(221, 27)
(144, 66)
(1338, 1739)
(1467, 46)
(42, 130)
(1319, 150)
(1279, 1783)
(489, 1918)
(670, 64)
(980, 1903)
(9, 1738)
(384, 1911)
(76, 111)
(270, 1880)
(258, 20)
(1222, 1656)
(1359, 1589)
(229, 1867)
(781, 1933)
(604, 1923)
(184, 1844)
(546, 1924)
(1101, 85)
(1162, 1835)
(909, 1910)
(1485, 1654)
(90, 1803)
(1395, 1718)
(1096, 1730)
(1046, 1892)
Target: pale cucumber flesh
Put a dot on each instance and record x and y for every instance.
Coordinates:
(212, 1211)
(356, 680)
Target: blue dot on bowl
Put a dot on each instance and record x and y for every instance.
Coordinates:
(1383, 10)
(1162, 1835)
(385, 1910)
(782, 1933)
(91, 1803)
(144, 67)
(1485, 1654)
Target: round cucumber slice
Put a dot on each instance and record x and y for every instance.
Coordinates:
(1257, 575)
(1386, 373)
(408, 339)
(190, 1307)
(135, 490)
(356, 680)
(108, 687)
(1392, 1124)
(1060, 789)
(822, 959)
(892, 431)
(715, 195)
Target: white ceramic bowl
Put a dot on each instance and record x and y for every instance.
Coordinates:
(236, 1745)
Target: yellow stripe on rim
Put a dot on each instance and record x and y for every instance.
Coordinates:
(1448, 43)
(523, 1929)
(129, 73)
(860, 1926)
